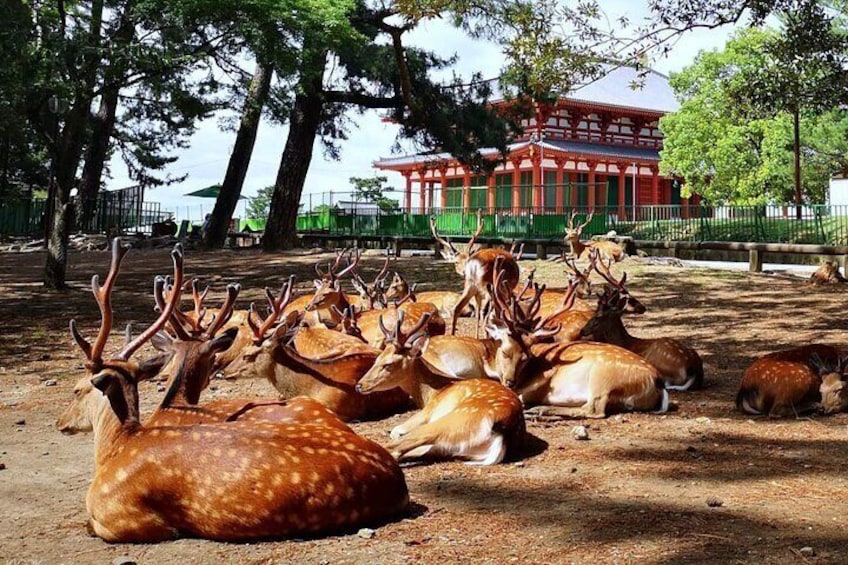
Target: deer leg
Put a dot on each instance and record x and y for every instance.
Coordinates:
(467, 294)
(416, 420)
(598, 406)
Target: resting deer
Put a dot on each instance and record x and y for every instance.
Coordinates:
(369, 321)
(221, 481)
(371, 295)
(477, 420)
(443, 300)
(607, 249)
(680, 366)
(477, 269)
(790, 382)
(322, 364)
(590, 380)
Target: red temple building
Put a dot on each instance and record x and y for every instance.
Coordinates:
(597, 147)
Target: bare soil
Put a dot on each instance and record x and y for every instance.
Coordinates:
(700, 484)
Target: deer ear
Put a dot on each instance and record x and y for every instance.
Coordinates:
(223, 341)
(418, 345)
(162, 341)
(101, 381)
(151, 367)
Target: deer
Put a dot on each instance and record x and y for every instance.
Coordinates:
(475, 420)
(225, 481)
(607, 249)
(443, 300)
(371, 295)
(476, 266)
(319, 363)
(680, 366)
(328, 293)
(792, 382)
(590, 380)
(369, 327)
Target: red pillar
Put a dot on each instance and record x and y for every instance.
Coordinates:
(572, 179)
(536, 160)
(490, 192)
(408, 192)
(655, 186)
(466, 191)
(560, 189)
(622, 188)
(422, 198)
(516, 188)
(591, 187)
(444, 196)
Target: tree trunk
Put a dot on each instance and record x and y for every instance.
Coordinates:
(225, 204)
(797, 149)
(103, 125)
(306, 117)
(66, 157)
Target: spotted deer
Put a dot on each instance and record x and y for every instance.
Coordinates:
(371, 295)
(369, 321)
(680, 366)
(607, 249)
(225, 481)
(319, 363)
(444, 301)
(476, 420)
(792, 382)
(590, 380)
(476, 266)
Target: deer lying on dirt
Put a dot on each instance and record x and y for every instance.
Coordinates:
(590, 380)
(369, 321)
(322, 364)
(222, 481)
(476, 266)
(443, 300)
(607, 249)
(476, 420)
(794, 381)
(680, 366)
(371, 295)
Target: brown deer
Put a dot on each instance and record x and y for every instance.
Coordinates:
(476, 266)
(607, 249)
(222, 481)
(371, 295)
(679, 365)
(320, 363)
(328, 294)
(369, 321)
(590, 380)
(476, 420)
(790, 382)
(443, 300)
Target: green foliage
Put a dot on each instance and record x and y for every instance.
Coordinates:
(372, 190)
(732, 148)
(259, 205)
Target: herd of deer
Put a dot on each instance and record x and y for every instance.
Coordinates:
(251, 468)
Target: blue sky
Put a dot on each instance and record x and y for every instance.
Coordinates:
(205, 161)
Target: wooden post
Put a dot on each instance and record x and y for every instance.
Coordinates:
(466, 191)
(560, 188)
(490, 193)
(536, 189)
(655, 186)
(408, 192)
(516, 188)
(622, 190)
(591, 186)
(541, 251)
(755, 261)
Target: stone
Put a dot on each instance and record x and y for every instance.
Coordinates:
(123, 560)
(20, 422)
(366, 533)
(580, 433)
(50, 382)
(807, 551)
(714, 502)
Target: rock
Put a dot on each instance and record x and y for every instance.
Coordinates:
(580, 432)
(519, 464)
(123, 560)
(50, 382)
(366, 533)
(2, 466)
(703, 420)
(714, 502)
(20, 422)
(574, 469)
(807, 551)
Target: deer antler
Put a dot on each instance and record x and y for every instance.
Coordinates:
(167, 311)
(445, 242)
(586, 223)
(470, 247)
(103, 296)
(275, 306)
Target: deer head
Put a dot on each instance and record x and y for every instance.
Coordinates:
(373, 294)
(397, 289)
(632, 305)
(328, 290)
(573, 234)
(400, 353)
(834, 394)
(449, 250)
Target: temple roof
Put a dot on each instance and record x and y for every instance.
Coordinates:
(613, 89)
(581, 148)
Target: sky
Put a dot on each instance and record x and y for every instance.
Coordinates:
(205, 161)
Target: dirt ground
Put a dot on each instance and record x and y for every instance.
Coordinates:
(636, 492)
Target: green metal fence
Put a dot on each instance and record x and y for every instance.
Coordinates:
(776, 224)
